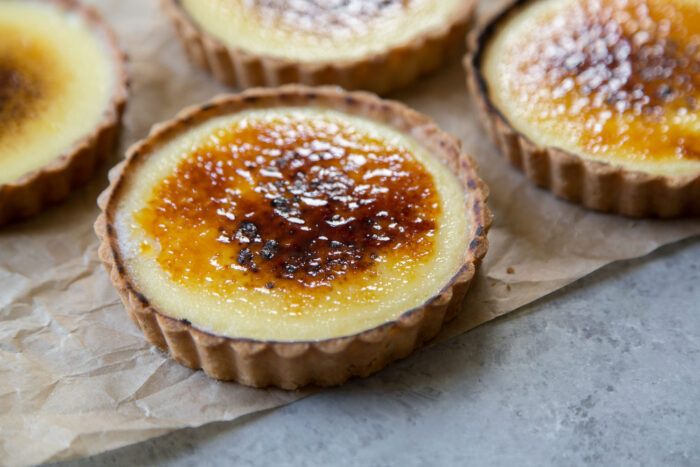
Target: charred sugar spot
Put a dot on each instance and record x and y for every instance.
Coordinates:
(245, 256)
(280, 203)
(270, 249)
(248, 229)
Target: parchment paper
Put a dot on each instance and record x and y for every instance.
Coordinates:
(77, 378)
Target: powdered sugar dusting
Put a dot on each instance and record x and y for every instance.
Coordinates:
(604, 64)
(325, 18)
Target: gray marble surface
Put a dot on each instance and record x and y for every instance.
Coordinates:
(603, 372)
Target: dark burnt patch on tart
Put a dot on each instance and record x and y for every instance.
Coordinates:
(290, 208)
(22, 89)
(292, 364)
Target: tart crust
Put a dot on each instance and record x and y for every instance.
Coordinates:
(380, 73)
(596, 185)
(295, 364)
(53, 182)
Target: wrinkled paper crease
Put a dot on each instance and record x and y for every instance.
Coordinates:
(78, 378)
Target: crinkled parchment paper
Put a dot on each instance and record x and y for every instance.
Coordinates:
(77, 378)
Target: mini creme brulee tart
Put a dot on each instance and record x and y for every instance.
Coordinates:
(597, 100)
(62, 94)
(377, 45)
(293, 236)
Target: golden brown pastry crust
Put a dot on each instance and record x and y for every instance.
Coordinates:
(596, 185)
(380, 73)
(53, 182)
(295, 364)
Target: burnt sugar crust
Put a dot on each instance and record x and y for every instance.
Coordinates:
(295, 364)
(595, 184)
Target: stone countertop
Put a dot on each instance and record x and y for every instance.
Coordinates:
(605, 371)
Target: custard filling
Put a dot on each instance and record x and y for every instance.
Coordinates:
(315, 30)
(55, 83)
(291, 224)
(612, 80)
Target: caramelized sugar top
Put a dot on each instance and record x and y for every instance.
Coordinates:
(289, 202)
(26, 67)
(623, 74)
(325, 17)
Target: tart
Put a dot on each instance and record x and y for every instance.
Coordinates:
(377, 45)
(597, 101)
(293, 236)
(62, 93)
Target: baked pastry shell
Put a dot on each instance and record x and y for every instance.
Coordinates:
(53, 182)
(594, 184)
(381, 72)
(325, 362)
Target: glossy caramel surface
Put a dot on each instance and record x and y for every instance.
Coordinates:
(287, 204)
(290, 223)
(618, 79)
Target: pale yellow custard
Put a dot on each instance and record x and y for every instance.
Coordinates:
(315, 30)
(290, 224)
(616, 81)
(56, 80)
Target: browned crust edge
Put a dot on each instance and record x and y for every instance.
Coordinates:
(379, 73)
(596, 185)
(53, 182)
(291, 365)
